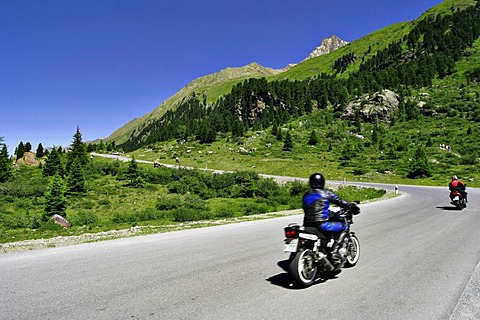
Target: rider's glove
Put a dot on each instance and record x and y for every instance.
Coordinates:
(353, 208)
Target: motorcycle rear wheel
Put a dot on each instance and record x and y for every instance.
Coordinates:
(458, 204)
(353, 251)
(303, 268)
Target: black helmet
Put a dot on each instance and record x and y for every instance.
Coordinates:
(317, 181)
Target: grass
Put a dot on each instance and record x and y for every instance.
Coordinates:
(110, 204)
(304, 159)
(454, 100)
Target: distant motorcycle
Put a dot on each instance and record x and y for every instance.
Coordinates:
(310, 251)
(458, 200)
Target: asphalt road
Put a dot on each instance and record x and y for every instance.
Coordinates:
(419, 260)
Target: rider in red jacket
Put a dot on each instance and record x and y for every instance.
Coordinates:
(458, 185)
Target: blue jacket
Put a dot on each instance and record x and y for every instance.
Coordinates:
(316, 203)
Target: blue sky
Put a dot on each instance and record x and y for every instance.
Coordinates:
(98, 64)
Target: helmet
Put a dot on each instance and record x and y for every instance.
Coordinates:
(317, 181)
(454, 178)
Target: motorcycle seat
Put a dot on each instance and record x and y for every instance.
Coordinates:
(316, 232)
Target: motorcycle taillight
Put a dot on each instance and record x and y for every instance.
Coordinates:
(291, 233)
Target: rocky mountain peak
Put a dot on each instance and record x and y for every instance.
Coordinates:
(328, 45)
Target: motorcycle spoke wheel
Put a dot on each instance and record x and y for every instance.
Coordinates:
(303, 268)
(353, 251)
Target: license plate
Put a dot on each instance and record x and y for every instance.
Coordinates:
(291, 246)
(456, 198)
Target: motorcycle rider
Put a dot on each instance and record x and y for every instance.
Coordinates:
(316, 203)
(458, 185)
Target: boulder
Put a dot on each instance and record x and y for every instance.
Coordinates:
(27, 159)
(58, 219)
(380, 105)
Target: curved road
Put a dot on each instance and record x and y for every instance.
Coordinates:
(418, 261)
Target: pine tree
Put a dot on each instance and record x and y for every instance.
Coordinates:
(77, 159)
(274, 131)
(53, 164)
(237, 128)
(78, 151)
(313, 140)
(76, 182)
(20, 150)
(279, 134)
(358, 122)
(28, 147)
(40, 152)
(288, 142)
(375, 133)
(206, 132)
(420, 167)
(5, 165)
(55, 200)
(132, 172)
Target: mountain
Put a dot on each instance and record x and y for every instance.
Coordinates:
(328, 45)
(400, 103)
(215, 85)
(399, 56)
(212, 86)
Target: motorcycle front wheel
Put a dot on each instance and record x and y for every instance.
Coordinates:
(303, 268)
(353, 251)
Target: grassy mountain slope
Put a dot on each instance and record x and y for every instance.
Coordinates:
(220, 83)
(367, 46)
(363, 48)
(213, 86)
(452, 102)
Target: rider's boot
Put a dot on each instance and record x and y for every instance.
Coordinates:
(336, 255)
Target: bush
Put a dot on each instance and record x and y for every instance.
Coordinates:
(225, 212)
(176, 187)
(470, 159)
(25, 186)
(222, 183)
(103, 167)
(297, 188)
(51, 226)
(122, 217)
(194, 202)
(160, 175)
(359, 171)
(169, 202)
(104, 202)
(87, 204)
(255, 208)
(267, 188)
(184, 214)
(84, 218)
(148, 214)
(165, 215)
(10, 221)
(207, 193)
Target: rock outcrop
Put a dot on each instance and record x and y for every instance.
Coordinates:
(380, 105)
(28, 159)
(328, 45)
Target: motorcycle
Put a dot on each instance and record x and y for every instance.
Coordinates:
(310, 251)
(458, 200)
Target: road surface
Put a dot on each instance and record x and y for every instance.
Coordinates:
(418, 261)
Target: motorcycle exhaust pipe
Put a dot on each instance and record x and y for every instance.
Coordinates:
(322, 258)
